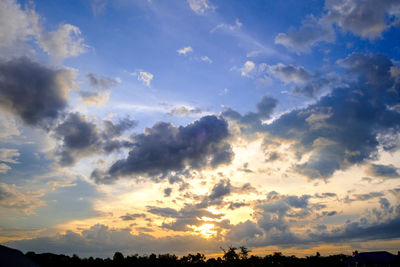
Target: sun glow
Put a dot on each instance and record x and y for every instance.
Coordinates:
(206, 230)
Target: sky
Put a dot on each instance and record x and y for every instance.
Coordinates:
(178, 126)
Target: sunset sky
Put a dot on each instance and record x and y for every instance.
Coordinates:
(184, 126)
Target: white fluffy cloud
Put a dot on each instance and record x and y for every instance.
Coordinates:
(247, 68)
(64, 42)
(18, 26)
(185, 50)
(200, 6)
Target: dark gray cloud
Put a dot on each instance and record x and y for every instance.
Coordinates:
(253, 120)
(103, 83)
(244, 231)
(36, 93)
(132, 216)
(367, 19)
(188, 215)
(164, 212)
(306, 83)
(223, 188)
(342, 128)
(364, 229)
(385, 171)
(165, 148)
(112, 129)
(364, 197)
(167, 192)
(79, 138)
(329, 213)
(325, 195)
(236, 205)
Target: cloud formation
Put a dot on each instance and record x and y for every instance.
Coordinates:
(20, 26)
(200, 6)
(102, 86)
(368, 19)
(13, 197)
(65, 42)
(383, 171)
(342, 128)
(185, 111)
(79, 138)
(36, 93)
(311, 32)
(165, 148)
(185, 50)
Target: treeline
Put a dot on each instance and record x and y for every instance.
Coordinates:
(231, 257)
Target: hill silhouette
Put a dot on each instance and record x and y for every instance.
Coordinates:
(10, 257)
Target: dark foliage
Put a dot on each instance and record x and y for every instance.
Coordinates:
(230, 258)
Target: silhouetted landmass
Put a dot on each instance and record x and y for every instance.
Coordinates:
(10, 257)
(231, 257)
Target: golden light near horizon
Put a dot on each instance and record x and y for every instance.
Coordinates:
(205, 230)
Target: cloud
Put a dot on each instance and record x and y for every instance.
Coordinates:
(342, 128)
(132, 216)
(13, 197)
(36, 93)
(167, 192)
(200, 6)
(253, 120)
(290, 73)
(17, 26)
(102, 83)
(4, 168)
(8, 155)
(244, 231)
(309, 34)
(218, 192)
(112, 129)
(385, 171)
(186, 217)
(367, 196)
(20, 27)
(206, 59)
(145, 78)
(9, 126)
(247, 68)
(185, 111)
(94, 98)
(228, 27)
(165, 148)
(79, 138)
(185, 50)
(368, 19)
(65, 42)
